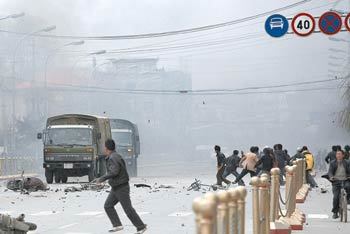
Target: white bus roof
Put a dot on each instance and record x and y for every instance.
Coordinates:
(121, 130)
(71, 126)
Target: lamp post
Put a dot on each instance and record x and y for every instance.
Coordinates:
(47, 29)
(4, 125)
(110, 60)
(99, 52)
(54, 52)
(13, 16)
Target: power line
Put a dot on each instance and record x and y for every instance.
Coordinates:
(199, 92)
(171, 33)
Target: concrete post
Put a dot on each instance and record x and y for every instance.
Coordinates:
(207, 212)
(213, 198)
(275, 187)
(255, 182)
(196, 209)
(233, 211)
(242, 193)
(264, 204)
(223, 221)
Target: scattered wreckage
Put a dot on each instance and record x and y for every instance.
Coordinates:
(9, 225)
(26, 184)
(87, 186)
(197, 186)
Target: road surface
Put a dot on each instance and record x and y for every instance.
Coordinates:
(164, 210)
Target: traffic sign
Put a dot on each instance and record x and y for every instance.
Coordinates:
(303, 24)
(276, 25)
(347, 22)
(330, 23)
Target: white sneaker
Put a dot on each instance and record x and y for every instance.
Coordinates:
(142, 230)
(116, 229)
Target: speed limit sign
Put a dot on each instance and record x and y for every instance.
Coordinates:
(303, 24)
(347, 22)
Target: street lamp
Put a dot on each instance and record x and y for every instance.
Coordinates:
(99, 52)
(47, 29)
(13, 16)
(110, 60)
(55, 51)
(74, 43)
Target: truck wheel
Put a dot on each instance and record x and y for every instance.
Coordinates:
(91, 175)
(49, 176)
(57, 177)
(64, 179)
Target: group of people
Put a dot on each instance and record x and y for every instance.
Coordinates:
(256, 162)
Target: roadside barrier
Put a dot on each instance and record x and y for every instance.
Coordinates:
(221, 213)
(274, 212)
(15, 165)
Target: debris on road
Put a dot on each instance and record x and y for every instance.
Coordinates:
(142, 186)
(15, 225)
(165, 186)
(72, 189)
(197, 186)
(27, 184)
(94, 186)
(84, 187)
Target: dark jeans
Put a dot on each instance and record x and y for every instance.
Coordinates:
(282, 174)
(336, 187)
(244, 173)
(227, 172)
(122, 194)
(220, 178)
(310, 179)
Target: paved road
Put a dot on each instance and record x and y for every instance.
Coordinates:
(164, 210)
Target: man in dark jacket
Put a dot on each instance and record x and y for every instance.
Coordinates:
(339, 171)
(118, 179)
(221, 164)
(267, 161)
(232, 163)
(331, 155)
(281, 159)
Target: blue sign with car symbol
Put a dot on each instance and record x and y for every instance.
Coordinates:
(276, 25)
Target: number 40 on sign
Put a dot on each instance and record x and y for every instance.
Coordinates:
(303, 24)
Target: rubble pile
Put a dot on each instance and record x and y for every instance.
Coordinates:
(17, 225)
(28, 184)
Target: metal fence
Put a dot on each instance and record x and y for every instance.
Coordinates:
(13, 165)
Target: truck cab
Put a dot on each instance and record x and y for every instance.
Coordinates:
(74, 146)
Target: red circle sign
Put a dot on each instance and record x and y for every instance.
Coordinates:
(303, 24)
(330, 23)
(347, 22)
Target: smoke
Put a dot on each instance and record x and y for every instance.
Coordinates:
(181, 126)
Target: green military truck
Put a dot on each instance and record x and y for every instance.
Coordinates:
(74, 146)
(126, 136)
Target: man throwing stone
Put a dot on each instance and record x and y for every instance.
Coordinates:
(118, 179)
